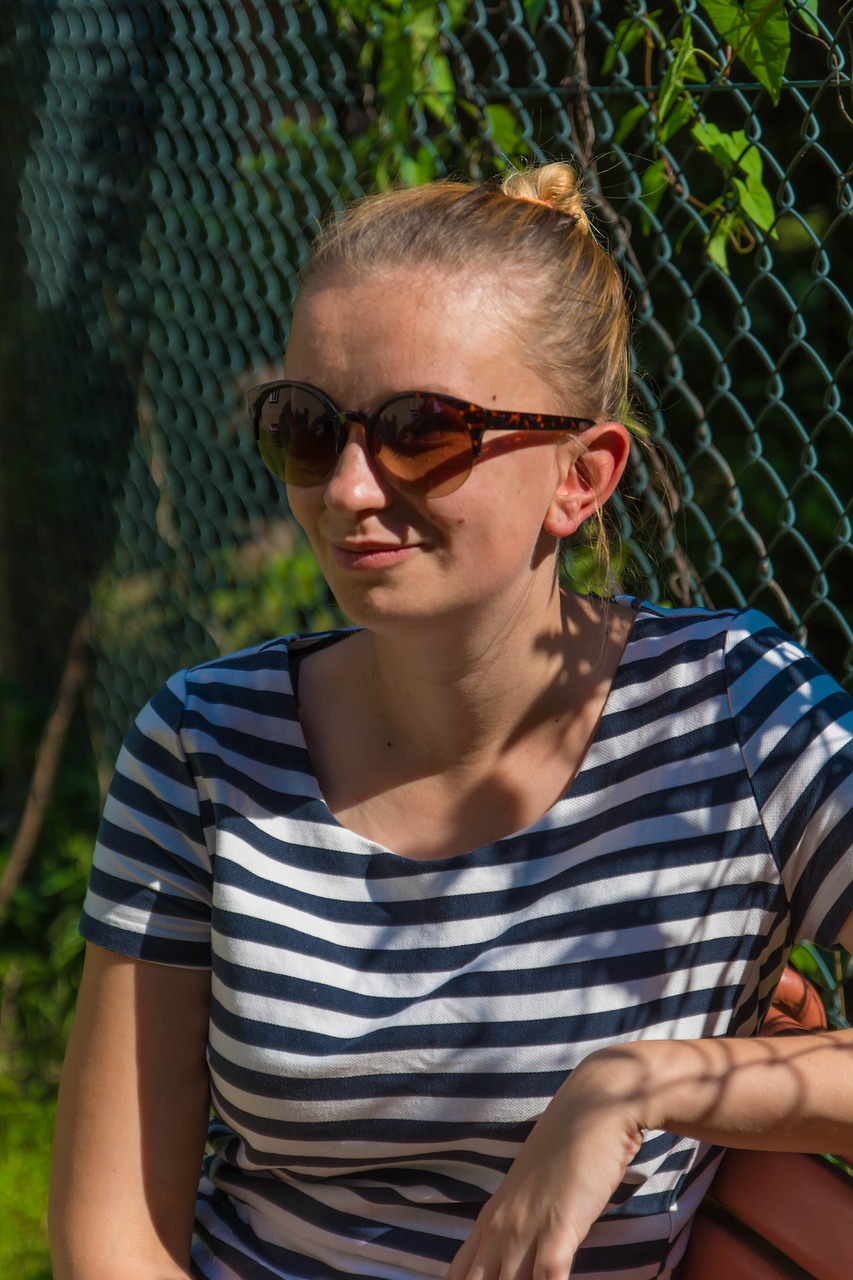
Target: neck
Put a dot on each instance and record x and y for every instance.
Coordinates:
(462, 699)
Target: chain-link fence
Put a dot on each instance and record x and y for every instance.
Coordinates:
(165, 163)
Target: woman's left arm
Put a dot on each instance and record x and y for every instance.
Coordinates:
(788, 1093)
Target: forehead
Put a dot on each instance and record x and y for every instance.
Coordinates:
(363, 339)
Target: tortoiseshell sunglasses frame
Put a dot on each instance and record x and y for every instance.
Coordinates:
(476, 419)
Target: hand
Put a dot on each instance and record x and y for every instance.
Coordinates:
(561, 1181)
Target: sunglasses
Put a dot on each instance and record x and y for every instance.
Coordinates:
(423, 443)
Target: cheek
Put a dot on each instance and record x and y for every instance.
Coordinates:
(305, 506)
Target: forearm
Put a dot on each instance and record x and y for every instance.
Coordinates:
(111, 1216)
(780, 1094)
(76, 1262)
(131, 1123)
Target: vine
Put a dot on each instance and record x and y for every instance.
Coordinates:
(416, 119)
(758, 34)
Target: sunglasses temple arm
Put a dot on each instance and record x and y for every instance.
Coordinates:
(476, 434)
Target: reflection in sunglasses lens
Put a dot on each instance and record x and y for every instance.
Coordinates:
(421, 443)
(300, 436)
(311, 440)
(424, 446)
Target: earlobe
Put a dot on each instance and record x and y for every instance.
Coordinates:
(589, 477)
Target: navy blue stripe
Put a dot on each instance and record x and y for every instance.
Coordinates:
(836, 770)
(168, 707)
(153, 756)
(393, 1085)
(627, 971)
(150, 854)
(143, 898)
(785, 683)
(668, 704)
(262, 699)
(684, 907)
(540, 1030)
(387, 1132)
(504, 903)
(527, 849)
(138, 946)
(245, 748)
(786, 755)
(139, 799)
(763, 636)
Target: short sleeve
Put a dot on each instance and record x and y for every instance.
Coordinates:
(795, 727)
(149, 891)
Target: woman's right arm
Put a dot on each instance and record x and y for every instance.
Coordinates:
(131, 1122)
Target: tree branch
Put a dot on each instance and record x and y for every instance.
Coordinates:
(48, 757)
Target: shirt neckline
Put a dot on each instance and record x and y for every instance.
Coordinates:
(305, 644)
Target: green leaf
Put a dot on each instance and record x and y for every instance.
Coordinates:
(629, 32)
(416, 170)
(456, 11)
(440, 101)
(760, 35)
(383, 176)
(728, 149)
(731, 151)
(505, 129)
(358, 10)
(401, 75)
(631, 118)
(677, 118)
(751, 163)
(672, 85)
(425, 28)
(654, 184)
(533, 10)
(806, 11)
(756, 202)
(692, 68)
(717, 241)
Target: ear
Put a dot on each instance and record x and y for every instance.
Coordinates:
(588, 477)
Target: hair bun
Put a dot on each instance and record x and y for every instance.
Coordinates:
(555, 185)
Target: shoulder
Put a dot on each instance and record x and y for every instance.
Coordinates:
(764, 672)
(262, 670)
(250, 692)
(661, 623)
(679, 646)
(750, 643)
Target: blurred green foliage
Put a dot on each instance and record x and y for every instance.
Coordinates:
(27, 1128)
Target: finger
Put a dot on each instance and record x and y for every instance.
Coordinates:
(553, 1260)
(495, 1251)
(458, 1269)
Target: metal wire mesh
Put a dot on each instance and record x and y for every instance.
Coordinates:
(168, 163)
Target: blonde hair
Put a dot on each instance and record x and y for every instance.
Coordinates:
(560, 288)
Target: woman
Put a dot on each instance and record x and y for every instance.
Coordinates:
(495, 887)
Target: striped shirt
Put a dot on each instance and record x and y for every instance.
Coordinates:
(384, 1031)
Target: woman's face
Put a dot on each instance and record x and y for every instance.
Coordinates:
(390, 556)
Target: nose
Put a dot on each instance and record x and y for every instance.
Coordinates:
(356, 484)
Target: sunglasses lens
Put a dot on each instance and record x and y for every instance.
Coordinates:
(424, 445)
(297, 437)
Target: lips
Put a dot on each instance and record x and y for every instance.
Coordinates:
(372, 555)
(359, 548)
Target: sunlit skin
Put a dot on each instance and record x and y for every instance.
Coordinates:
(458, 593)
(361, 343)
